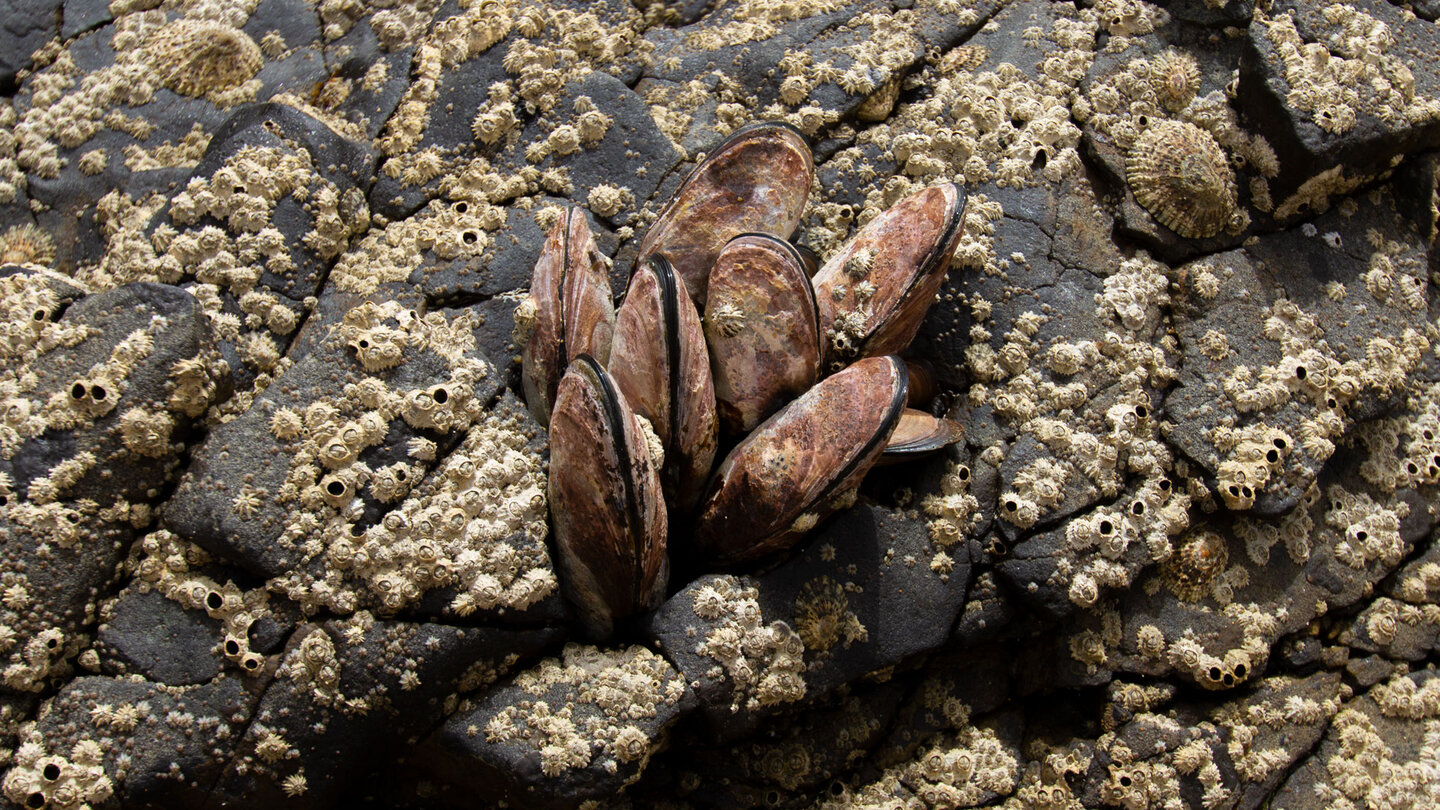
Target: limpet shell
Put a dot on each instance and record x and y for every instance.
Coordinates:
(200, 57)
(1180, 175)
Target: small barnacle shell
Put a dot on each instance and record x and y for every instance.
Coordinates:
(1181, 176)
(1176, 78)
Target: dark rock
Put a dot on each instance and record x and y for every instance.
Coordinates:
(133, 742)
(1281, 368)
(155, 637)
(1340, 132)
(111, 413)
(352, 692)
(868, 593)
(564, 731)
(27, 26)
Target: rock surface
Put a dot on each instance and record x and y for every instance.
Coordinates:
(274, 516)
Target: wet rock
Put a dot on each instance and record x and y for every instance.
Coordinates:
(396, 461)
(27, 27)
(786, 765)
(352, 692)
(565, 731)
(147, 634)
(112, 388)
(1379, 729)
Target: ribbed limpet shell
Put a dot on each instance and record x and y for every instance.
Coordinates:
(1180, 175)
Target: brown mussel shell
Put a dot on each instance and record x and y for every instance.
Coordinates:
(802, 464)
(763, 329)
(571, 310)
(607, 511)
(919, 434)
(659, 362)
(873, 293)
(756, 181)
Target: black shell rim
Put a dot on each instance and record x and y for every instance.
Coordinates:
(670, 312)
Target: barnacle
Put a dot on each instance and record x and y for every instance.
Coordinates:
(200, 58)
(1176, 78)
(26, 244)
(1180, 175)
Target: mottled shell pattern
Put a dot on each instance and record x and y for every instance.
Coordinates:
(751, 183)
(606, 506)
(568, 312)
(1179, 173)
(633, 431)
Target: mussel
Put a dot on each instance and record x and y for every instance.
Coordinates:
(607, 510)
(660, 366)
(762, 327)
(801, 464)
(758, 180)
(919, 434)
(873, 293)
(568, 312)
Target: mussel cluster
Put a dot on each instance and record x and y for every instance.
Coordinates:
(723, 334)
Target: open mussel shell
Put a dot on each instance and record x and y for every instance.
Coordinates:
(756, 181)
(659, 363)
(607, 511)
(802, 464)
(919, 434)
(873, 293)
(568, 312)
(763, 329)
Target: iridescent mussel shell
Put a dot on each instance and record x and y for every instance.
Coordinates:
(568, 312)
(919, 434)
(659, 363)
(756, 181)
(802, 464)
(763, 329)
(607, 511)
(874, 292)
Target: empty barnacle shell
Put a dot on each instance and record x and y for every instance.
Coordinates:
(568, 312)
(757, 180)
(873, 293)
(802, 464)
(763, 329)
(606, 508)
(919, 433)
(1181, 176)
(659, 363)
